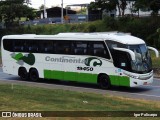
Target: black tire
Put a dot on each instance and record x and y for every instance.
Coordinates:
(33, 75)
(104, 81)
(23, 73)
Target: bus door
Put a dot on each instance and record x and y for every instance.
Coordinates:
(121, 61)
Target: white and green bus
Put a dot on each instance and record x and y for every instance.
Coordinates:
(107, 58)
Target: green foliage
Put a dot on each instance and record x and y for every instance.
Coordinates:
(91, 28)
(110, 23)
(103, 4)
(12, 9)
(153, 5)
(145, 28)
(109, 5)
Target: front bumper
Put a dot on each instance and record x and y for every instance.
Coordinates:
(139, 79)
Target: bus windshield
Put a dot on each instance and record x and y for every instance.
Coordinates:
(143, 60)
(142, 64)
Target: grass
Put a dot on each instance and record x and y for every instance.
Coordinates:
(155, 61)
(39, 99)
(23, 98)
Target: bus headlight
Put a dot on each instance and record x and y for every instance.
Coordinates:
(135, 77)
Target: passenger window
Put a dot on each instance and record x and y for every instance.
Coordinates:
(112, 44)
(80, 48)
(32, 46)
(46, 46)
(63, 47)
(18, 45)
(98, 49)
(8, 44)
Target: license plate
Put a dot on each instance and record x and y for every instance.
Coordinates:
(145, 83)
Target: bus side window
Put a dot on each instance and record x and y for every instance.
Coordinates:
(63, 47)
(46, 46)
(79, 51)
(31, 46)
(18, 45)
(8, 44)
(41, 46)
(80, 48)
(112, 44)
(98, 49)
(90, 49)
(99, 52)
(49, 45)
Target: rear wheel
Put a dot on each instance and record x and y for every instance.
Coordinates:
(23, 74)
(33, 75)
(104, 82)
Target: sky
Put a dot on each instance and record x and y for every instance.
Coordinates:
(37, 3)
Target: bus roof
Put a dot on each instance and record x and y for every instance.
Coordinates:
(97, 36)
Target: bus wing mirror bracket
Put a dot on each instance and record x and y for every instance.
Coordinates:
(127, 50)
(155, 50)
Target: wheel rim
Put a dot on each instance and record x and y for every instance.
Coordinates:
(23, 74)
(33, 76)
(104, 82)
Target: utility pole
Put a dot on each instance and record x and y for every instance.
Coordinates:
(45, 13)
(62, 12)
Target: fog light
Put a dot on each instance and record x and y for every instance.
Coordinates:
(135, 83)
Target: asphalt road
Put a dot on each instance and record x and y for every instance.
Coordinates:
(148, 92)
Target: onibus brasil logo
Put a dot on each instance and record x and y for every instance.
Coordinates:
(93, 61)
(21, 59)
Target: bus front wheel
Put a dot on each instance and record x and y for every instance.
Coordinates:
(104, 81)
(23, 74)
(33, 75)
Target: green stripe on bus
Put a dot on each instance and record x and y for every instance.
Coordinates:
(84, 77)
(124, 81)
(70, 76)
(120, 80)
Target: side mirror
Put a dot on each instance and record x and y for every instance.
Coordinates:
(133, 57)
(155, 50)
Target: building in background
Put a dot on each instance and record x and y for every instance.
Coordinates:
(53, 14)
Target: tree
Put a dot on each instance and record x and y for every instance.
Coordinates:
(118, 6)
(12, 9)
(153, 5)
(27, 2)
(123, 5)
(108, 5)
(41, 7)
